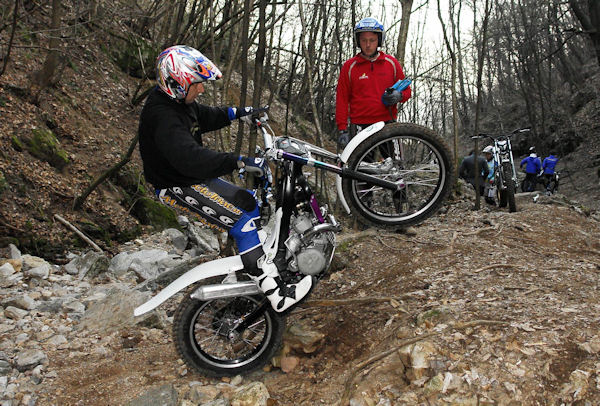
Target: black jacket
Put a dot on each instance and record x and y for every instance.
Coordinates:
(171, 142)
(467, 168)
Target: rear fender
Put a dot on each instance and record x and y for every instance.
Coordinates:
(222, 266)
(352, 145)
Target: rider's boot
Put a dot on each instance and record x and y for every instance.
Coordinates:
(281, 296)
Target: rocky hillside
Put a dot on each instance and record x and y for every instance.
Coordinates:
(469, 308)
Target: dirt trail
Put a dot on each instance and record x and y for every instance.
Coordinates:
(507, 302)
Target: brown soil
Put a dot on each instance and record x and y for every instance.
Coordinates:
(535, 272)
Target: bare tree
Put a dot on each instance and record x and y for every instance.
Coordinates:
(45, 75)
(12, 37)
(590, 21)
(403, 34)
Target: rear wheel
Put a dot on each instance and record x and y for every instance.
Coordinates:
(410, 155)
(207, 339)
(510, 187)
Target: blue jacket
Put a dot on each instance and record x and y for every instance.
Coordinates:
(549, 164)
(533, 164)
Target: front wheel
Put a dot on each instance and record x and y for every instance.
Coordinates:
(410, 155)
(208, 337)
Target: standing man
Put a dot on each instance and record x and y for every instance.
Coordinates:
(467, 170)
(533, 165)
(548, 166)
(185, 174)
(361, 98)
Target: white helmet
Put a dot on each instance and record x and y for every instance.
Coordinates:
(489, 149)
(180, 66)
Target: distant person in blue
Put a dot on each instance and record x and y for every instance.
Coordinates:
(548, 167)
(533, 166)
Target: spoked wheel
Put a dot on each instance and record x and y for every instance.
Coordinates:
(208, 337)
(410, 155)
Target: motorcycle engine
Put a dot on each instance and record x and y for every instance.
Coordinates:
(309, 253)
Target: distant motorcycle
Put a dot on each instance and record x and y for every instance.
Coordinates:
(389, 175)
(505, 175)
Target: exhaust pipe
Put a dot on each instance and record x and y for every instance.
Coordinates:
(225, 290)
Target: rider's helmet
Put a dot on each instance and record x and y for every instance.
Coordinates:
(532, 150)
(369, 24)
(180, 66)
(488, 150)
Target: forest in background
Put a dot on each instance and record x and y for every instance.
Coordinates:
(536, 56)
(497, 65)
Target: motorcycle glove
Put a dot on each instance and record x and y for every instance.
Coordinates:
(391, 96)
(343, 139)
(256, 166)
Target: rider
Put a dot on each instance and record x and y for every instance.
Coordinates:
(467, 170)
(533, 165)
(548, 167)
(489, 181)
(186, 175)
(361, 90)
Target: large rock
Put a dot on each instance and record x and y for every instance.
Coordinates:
(14, 313)
(20, 301)
(145, 263)
(90, 264)
(252, 394)
(177, 238)
(115, 311)
(39, 272)
(29, 359)
(6, 269)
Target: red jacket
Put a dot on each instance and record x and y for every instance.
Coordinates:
(360, 87)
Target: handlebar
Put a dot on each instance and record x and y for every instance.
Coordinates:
(495, 136)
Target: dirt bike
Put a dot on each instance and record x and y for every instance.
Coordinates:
(389, 175)
(505, 175)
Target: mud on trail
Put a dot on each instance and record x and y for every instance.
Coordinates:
(479, 307)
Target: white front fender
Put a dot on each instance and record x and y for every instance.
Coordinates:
(352, 145)
(222, 266)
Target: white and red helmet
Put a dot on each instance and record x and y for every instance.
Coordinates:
(180, 66)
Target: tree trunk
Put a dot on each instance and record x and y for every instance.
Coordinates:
(244, 72)
(403, 34)
(45, 75)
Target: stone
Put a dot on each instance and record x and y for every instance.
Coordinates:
(115, 311)
(29, 359)
(300, 336)
(145, 263)
(163, 395)
(14, 252)
(5, 368)
(14, 313)
(22, 302)
(177, 238)
(7, 269)
(91, 264)
(39, 272)
(30, 261)
(201, 394)
(17, 264)
(74, 306)
(251, 394)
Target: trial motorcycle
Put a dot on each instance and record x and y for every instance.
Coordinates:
(389, 176)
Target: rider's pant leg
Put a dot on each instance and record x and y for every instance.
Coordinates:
(224, 207)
